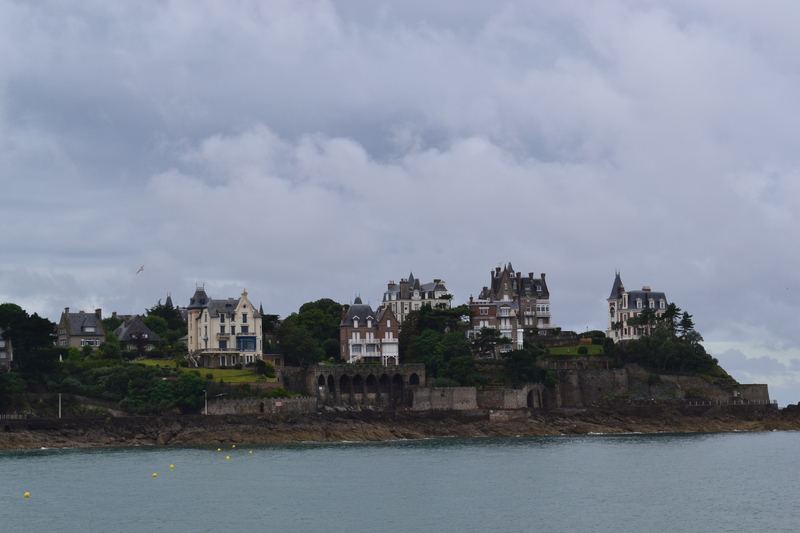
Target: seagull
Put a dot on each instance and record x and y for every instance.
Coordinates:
(140, 269)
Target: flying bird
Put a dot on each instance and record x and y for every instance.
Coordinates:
(140, 269)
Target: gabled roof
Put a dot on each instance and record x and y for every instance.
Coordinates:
(133, 327)
(76, 324)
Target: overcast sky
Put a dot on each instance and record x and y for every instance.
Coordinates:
(309, 149)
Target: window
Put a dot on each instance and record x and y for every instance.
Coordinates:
(416, 307)
(244, 318)
(62, 343)
(612, 310)
(356, 348)
(90, 342)
(388, 323)
(662, 304)
(233, 330)
(484, 310)
(504, 311)
(245, 329)
(389, 335)
(248, 358)
(371, 348)
(652, 304)
(222, 330)
(246, 344)
(222, 361)
(356, 336)
(2, 343)
(223, 345)
(638, 304)
(89, 329)
(369, 322)
(221, 318)
(355, 322)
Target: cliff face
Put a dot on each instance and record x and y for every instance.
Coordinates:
(380, 426)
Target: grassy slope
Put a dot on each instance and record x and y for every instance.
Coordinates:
(230, 376)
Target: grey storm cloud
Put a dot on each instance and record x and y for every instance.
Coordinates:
(320, 149)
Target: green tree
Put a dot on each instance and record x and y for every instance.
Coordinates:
(31, 336)
(110, 348)
(299, 346)
(111, 323)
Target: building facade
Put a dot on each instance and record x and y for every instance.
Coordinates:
(367, 336)
(515, 305)
(76, 330)
(410, 295)
(222, 333)
(624, 305)
(6, 353)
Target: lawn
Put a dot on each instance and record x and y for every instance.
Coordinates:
(594, 349)
(229, 376)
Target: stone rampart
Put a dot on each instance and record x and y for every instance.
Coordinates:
(444, 399)
(244, 406)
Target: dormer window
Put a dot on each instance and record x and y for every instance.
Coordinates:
(221, 318)
(504, 311)
(662, 304)
(355, 322)
(369, 322)
(652, 304)
(638, 304)
(612, 310)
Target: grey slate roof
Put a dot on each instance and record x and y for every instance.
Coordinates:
(360, 310)
(134, 326)
(78, 322)
(645, 296)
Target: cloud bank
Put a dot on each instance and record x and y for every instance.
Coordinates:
(318, 149)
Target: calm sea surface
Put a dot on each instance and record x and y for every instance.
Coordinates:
(713, 482)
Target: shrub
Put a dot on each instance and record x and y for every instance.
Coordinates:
(583, 350)
(279, 392)
(551, 380)
(265, 369)
(184, 363)
(445, 382)
(237, 366)
(209, 375)
(652, 379)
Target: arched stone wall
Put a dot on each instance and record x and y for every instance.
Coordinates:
(377, 385)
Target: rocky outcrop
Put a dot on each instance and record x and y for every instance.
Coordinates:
(380, 426)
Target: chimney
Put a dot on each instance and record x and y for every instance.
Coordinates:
(470, 298)
(646, 288)
(404, 292)
(66, 310)
(344, 313)
(497, 270)
(530, 275)
(113, 314)
(99, 314)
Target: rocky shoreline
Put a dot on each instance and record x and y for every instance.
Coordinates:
(195, 430)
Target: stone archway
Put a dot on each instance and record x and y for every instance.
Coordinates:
(397, 390)
(345, 390)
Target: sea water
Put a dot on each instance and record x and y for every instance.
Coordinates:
(698, 482)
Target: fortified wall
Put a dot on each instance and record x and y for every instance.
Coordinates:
(387, 387)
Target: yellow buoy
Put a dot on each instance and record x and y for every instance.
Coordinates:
(219, 449)
(172, 467)
(155, 475)
(234, 446)
(227, 457)
(251, 451)
(27, 495)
